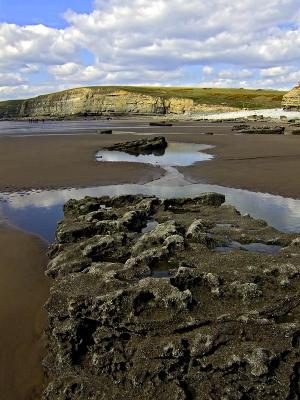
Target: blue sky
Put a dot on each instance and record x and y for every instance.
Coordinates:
(50, 13)
(51, 46)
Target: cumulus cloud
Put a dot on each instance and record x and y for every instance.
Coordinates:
(21, 45)
(142, 42)
(238, 74)
(11, 79)
(276, 71)
(207, 70)
(72, 72)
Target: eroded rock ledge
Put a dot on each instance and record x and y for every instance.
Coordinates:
(159, 299)
(156, 145)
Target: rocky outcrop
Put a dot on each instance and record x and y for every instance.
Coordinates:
(156, 145)
(139, 313)
(101, 100)
(291, 101)
(262, 130)
(240, 127)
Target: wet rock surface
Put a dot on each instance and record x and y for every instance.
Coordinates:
(156, 145)
(160, 123)
(262, 130)
(136, 313)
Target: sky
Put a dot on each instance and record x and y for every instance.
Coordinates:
(59, 44)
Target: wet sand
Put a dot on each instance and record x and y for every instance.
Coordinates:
(46, 162)
(265, 163)
(259, 163)
(23, 291)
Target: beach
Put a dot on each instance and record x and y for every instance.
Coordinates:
(23, 291)
(45, 161)
(255, 162)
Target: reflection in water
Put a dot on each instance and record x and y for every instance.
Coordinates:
(252, 247)
(176, 154)
(39, 211)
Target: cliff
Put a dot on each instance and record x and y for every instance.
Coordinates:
(138, 100)
(97, 101)
(291, 101)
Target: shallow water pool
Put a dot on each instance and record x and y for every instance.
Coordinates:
(38, 211)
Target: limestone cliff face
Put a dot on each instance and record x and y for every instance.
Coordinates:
(91, 101)
(96, 101)
(291, 101)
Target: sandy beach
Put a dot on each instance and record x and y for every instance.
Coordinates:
(63, 161)
(259, 163)
(266, 163)
(263, 163)
(23, 291)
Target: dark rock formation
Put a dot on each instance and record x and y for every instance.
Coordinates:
(156, 145)
(263, 130)
(163, 123)
(295, 132)
(162, 314)
(105, 132)
(240, 127)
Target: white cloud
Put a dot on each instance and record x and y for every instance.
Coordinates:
(11, 79)
(21, 45)
(142, 42)
(207, 70)
(275, 71)
(237, 74)
(72, 72)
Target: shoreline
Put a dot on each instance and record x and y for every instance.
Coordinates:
(262, 164)
(55, 162)
(259, 163)
(23, 292)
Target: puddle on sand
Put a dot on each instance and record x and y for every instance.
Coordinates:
(39, 211)
(176, 154)
(252, 247)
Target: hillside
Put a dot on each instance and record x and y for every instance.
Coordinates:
(99, 100)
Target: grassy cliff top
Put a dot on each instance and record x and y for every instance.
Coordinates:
(241, 98)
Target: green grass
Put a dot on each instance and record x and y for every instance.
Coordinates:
(240, 98)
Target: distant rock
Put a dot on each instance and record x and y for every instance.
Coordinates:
(163, 123)
(156, 145)
(240, 127)
(263, 130)
(291, 101)
(105, 132)
(294, 132)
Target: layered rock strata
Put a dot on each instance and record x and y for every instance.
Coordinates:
(171, 299)
(98, 101)
(291, 101)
